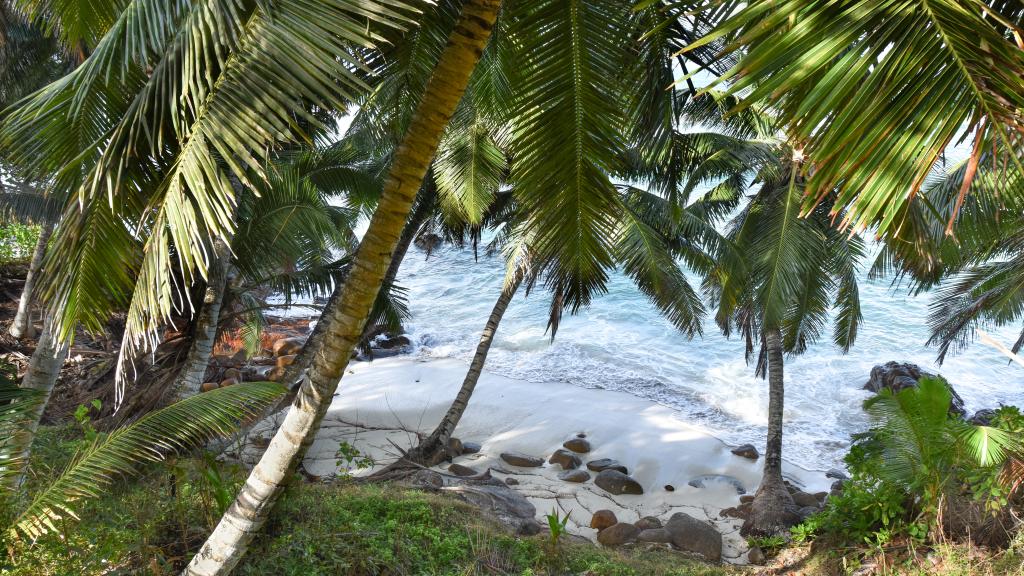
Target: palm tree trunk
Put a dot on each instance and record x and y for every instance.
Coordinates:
(43, 370)
(205, 333)
(230, 539)
(22, 327)
(771, 511)
(434, 448)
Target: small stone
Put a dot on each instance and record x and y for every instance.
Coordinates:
(648, 522)
(233, 373)
(578, 445)
(567, 459)
(228, 382)
(747, 451)
(615, 482)
(606, 464)
(511, 481)
(522, 460)
(287, 346)
(755, 556)
(284, 361)
(621, 533)
(837, 474)
(603, 519)
(670, 488)
(654, 535)
(577, 476)
(207, 386)
(455, 447)
(471, 447)
(461, 470)
(581, 435)
(694, 535)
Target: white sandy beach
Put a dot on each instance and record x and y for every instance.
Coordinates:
(386, 400)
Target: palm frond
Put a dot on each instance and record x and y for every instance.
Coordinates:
(18, 409)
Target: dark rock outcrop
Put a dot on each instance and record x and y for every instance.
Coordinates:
(615, 482)
(898, 376)
(578, 445)
(575, 476)
(461, 470)
(618, 534)
(471, 447)
(654, 535)
(606, 464)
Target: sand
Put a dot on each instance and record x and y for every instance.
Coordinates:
(384, 403)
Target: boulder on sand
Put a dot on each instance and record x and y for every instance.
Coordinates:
(462, 470)
(576, 476)
(603, 519)
(898, 376)
(578, 445)
(522, 460)
(648, 522)
(654, 535)
(567, 459)
(692, 535)
(615, 482)
(621, 533)
(606, 464)
(747, 451)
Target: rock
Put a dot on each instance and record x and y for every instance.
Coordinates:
(603, 519)
(742, 511)
(837, 487)
(392, 343)
(471, 447)
(806, 512)
(285, 361)
(755, 555)
(621, 533)
(836, 473)
(207, 386)
(428, 479)
(567, 459)
(648, 522)
(692, 535)
(276, 374)
(606, 464)
(578, 445)
(707, 479)
(428, 242)
(455, 447)
(983, 417)
(820, 497)
(615, 482)
(747, 451)
(287, 346)
(577, 476)
(529, 527)
(670, 488)
(522, 460)
(233, 373)
(898, 376)
(228, 382)
(461, 470)
(803, 499)
(500, 501)
(511, 481)
(654, 535)
(746, 498)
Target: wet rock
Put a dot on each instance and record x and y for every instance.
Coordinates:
(756, 556)
(615, 482)
(393, 343)
(820, 497)
(455, 447)
(803, 499)
(747, 451)
(983, 417)
(692, 535)
(709, 479)
(576, 476)
(837, 474)
(670, 488)
(287, 346)
(603, 519)
(285, 361)
(619, 534)
(471, 447)
(462, 470)
(606, 464)
(428, 242)
(522, 460)
(837, 487)
(511, 481)
(578, 445)
(746, 498)
(648, 522)
(898, 376)
(654, 535)
(567, 459)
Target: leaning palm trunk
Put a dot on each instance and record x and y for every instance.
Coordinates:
(22, 327)
(205, 334)
(770, 512)
(434, 448)
(230, 539)
(43, 370)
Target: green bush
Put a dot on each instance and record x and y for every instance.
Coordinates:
(17, 241)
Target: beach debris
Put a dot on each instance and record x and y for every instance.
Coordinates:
(649, 522)
(567, 459)
(462, 470)
(748, 451)
(577, 476)
(619, 534)
(578, 445)
(615, 482)
(654, 535)
(696, 536)
(522, 460)
(603, 519)
(602, 464)
(707, 479)
(471, 447)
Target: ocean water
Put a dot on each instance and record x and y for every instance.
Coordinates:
(622, 343)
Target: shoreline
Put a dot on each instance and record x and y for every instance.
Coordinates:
(384, 403)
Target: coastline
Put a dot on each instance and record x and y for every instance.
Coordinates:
(383, 403)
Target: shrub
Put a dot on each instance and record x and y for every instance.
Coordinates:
(17, 241)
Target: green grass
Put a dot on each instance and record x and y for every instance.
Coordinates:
(152, 524)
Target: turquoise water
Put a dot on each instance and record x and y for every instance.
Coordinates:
(622, 343)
